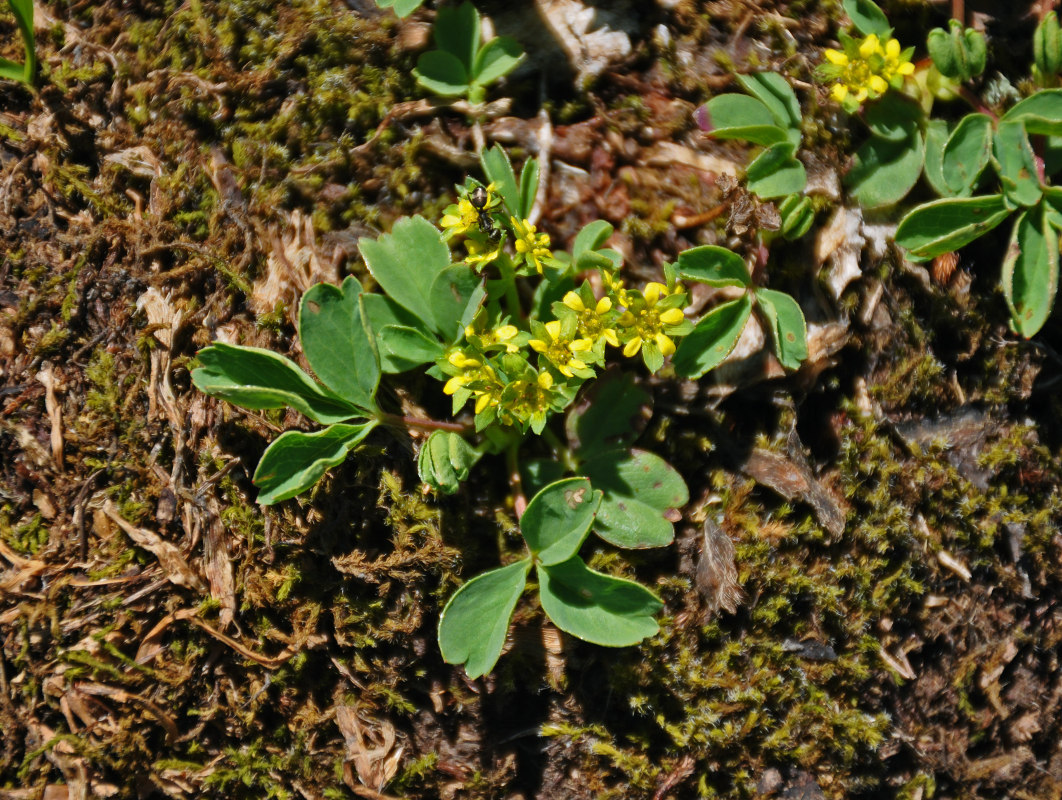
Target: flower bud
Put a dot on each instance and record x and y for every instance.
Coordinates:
(1047, 47)
(958, 54)
(797, 216)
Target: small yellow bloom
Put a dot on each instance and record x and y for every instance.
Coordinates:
(645, 322)
(466, 218)
(529, 244)
(593, 322)
(865, 69)
(560, 351)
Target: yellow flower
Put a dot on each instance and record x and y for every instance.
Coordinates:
(645, 322)
(480, 253)
(561, 351)
(472, 370)
(467, 217)
(593, 322)
(529, 244)
(527, 402)
(865, 69)
(502, 336)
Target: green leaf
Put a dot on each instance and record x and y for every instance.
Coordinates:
(642, 492)
(381, 312)
(867, 18)
(736, 116)
(713, 338)
(406, 263)
(528, 187)
(260, 379)
(895, 118)
(499, 171)
(23, 11)
(406, 348)
(295, 461)
(775, 172)
(538, 473)
(452, 292)
(936, 140)
(445, 461)
(456, 32)
(12, 71)
(496, 58)
(558, 519)
(597, 608)
(1039, 113)
(609, 412)
(943, 226)
(967, 153)
(1030, 272)
(473, 625)
(402, 8)
(1016, 165)
(591, 237)
(774, 91)
(883, 172)
(789, 332)
(337, 343)
(713, 265)
(442, 73)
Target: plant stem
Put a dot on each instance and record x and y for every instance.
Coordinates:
(513, 463)
(398, 421)
(561, 451)
(512, 298)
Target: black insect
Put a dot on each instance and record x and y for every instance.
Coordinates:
(479, 199)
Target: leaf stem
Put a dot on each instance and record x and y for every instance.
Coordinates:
(512, 297)
(561, 451)
(513, 463)
(420, 423)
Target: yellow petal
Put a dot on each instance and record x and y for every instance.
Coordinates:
(892, 48)
(836, 57)
(553, 328)
(506, 332)
(839, 92)
(603, 306)
(633, 346)
(667, 347)
(877, 84)
(482, 401)
(906, 68)
(580, 346)
(574, 302)
(545, 380)
(654, 291)
(870, 46)
(673, 316)
(538, 345)
(454, 384)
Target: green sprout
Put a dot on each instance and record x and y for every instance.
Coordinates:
(25, 72)
(516, 335)
(462, 66)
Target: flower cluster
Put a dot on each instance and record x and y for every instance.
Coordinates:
(519, 377)
(865, 69)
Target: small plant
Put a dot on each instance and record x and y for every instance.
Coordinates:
(26, 72)
(865, 76)
(402, 8)
(462, 66)
(1021, 148)
(769, 116)
(514, 329)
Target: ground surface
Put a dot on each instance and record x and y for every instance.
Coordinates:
(186, 169)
